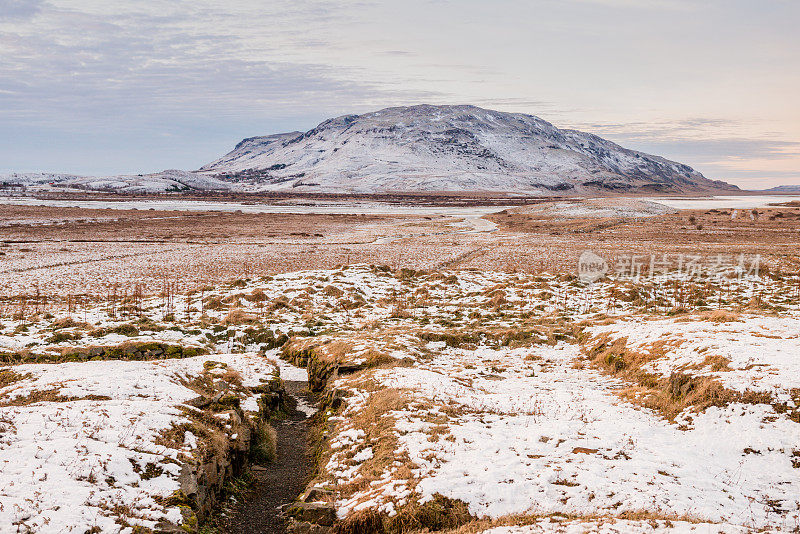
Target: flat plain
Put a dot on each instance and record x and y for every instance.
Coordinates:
(466, 380)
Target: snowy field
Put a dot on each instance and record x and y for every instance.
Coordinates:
(522, 398)
(82, 444)
(523, 432)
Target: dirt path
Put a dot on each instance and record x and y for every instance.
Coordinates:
(280, 482)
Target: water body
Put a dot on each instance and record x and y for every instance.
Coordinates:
(323, 207)
(722, 202)
(371, 208)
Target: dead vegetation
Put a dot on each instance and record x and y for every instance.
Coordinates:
(667, 396)
(439, 514)
(8, 377)
(653, 519)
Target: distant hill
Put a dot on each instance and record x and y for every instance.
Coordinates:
(450, 149)
(174, 181)
(785, 189)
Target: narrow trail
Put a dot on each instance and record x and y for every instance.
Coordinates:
(280, 482)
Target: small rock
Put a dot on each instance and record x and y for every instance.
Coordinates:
(163, 527)
(314, 512)
(199, 402)
(187, 480)
(304, 527)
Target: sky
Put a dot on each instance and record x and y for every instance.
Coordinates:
(98, 87)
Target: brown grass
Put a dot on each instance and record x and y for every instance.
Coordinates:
(213, 303)
(69, 322)
(668, 396)
(715, 316)
(439, 514)
(49, 395)
(238, 316)
(8, 377)
(333, 291)
(232, 376)
(380, 434)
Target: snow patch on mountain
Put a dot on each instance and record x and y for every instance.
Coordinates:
(165, 181)
(449, 148)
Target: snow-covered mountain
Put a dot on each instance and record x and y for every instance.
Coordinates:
(784, 189)
(449, 148)
(165, 181)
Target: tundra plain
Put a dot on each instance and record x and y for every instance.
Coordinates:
(464, 378)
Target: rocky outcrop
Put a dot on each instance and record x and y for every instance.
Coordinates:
(321, 367)
(227, 453)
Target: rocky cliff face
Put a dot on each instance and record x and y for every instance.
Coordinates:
(450, 148)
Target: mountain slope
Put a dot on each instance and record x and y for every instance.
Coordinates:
(784, 189)
(450, 148)
(175, 181)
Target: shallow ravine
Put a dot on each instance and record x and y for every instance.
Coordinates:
(282, 481)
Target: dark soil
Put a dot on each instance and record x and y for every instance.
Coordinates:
(278, 483)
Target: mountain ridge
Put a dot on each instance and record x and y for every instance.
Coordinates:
(450, 149)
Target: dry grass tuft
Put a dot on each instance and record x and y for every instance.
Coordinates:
(49, 395)
(257, 295)
(716, 363)
(668, 396)
(715, 316)
(213, 303)
(333, 291)
(366, 521)
(232, 376)
(440, 513)
(238, 316)
(69, 322)
(8, 377)
(263, 449)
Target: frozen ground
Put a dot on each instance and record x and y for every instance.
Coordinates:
(468, 385)
(534, 435)
(617, 526)
(743, 353)
(81, 443)
(305, 206)
(724, 201)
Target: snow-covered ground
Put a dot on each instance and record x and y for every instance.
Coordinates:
(758, 353)
(560, 525)
(337, 207)
(724, 201)
(524, 432)
(623, 208)
(80, 443)
(472, 385)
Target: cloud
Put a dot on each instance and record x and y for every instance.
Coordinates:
(700, 139)
(204, 74)
(136, 65)
(644, 4)
(717, 147)
(96, 81)
(19, 9)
